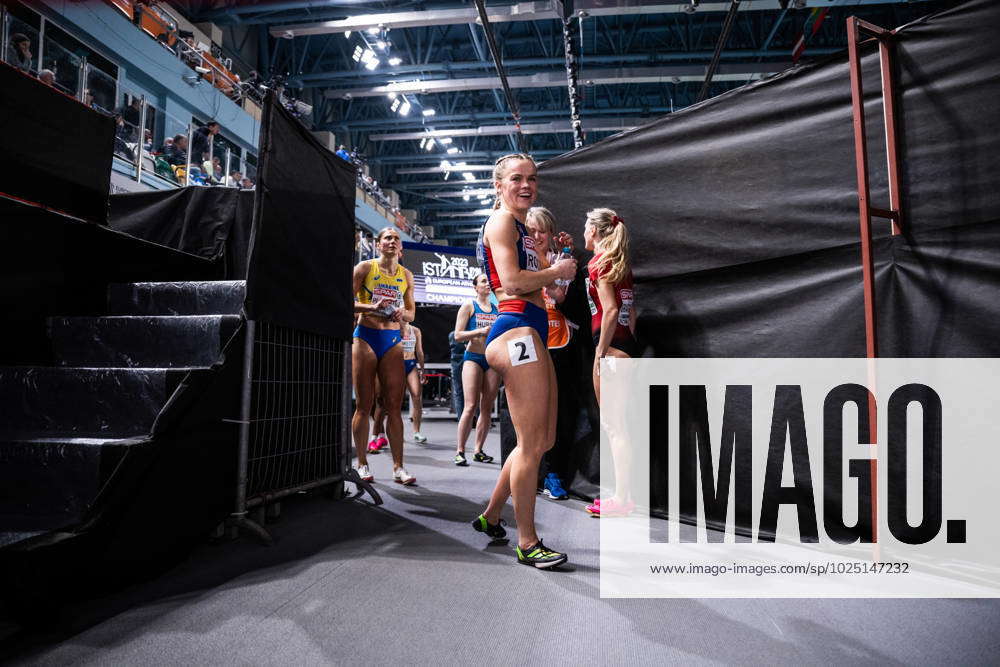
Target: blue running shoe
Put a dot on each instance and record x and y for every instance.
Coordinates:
(553, 488)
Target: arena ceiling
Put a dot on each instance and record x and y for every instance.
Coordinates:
(413, 85)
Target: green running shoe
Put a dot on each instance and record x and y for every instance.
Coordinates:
(540, 556)
(460, 459)
(496, 531)
(482, 457)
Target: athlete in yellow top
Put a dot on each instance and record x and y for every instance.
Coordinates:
(384, 298)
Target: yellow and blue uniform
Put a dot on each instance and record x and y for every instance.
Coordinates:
(377, 283)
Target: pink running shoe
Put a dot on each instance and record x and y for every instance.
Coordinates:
(612, 509)
(373, 446)
(382, 442)
(594, 508)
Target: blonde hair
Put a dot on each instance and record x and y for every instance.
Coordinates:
(499, 171)
(610, 232)
(546, 220)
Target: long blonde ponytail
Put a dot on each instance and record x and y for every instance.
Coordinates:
(612, 241)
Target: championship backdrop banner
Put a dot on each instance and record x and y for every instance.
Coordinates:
(800, 478)
(441, 274)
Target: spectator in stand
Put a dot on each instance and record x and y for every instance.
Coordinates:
(343, 154)
(201, 141)
(176, 153)
(88, 99)
(147, 141)
(247, 184)
(122, 134)
(133, 112)
(213, 170)
(19, 52)
(48, 77)
(235, 179)
(188, 50)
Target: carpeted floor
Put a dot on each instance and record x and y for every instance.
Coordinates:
(411, 582)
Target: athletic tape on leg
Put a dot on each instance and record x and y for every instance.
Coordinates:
(522, 350)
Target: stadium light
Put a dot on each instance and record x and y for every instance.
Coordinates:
(395, 104)
(445, 164)
(430, 143)
(429, 112)
(372, 64)
(452, 150)
(381, 45)
(367, 56)
(423, 142)
(405, 109)
(468, 175)
(395, 61)
(373, 31)
(445, 140)
(466, 197)
(358, 51)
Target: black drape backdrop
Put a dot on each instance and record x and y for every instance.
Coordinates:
(55, 151)
(435, 322)
(743, 210)
(213, 223)
(302, 250)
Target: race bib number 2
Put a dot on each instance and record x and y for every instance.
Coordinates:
(522, 351)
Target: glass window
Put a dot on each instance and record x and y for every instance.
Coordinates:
(60, 67)
(22, 45)
(101, 90)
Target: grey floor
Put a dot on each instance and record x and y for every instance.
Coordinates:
(348, 583)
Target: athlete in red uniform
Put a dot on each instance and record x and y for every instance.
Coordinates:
(612, 309)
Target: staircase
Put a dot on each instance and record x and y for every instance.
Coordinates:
(65, 429)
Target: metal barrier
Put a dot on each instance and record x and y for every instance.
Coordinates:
(295, 421)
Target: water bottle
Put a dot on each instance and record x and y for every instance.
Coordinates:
(562, 282)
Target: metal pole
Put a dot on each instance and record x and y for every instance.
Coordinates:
(187, 170)
(727, 26)
(229, 157)
(142, 139)
(867, 262)
(41, 43)
(891, 147)
(245, 397)
(502, 73)
(4, 20)
(81, 81)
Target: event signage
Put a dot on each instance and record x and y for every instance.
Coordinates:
(441, 274)
(799, 478)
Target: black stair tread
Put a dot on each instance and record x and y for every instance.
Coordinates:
(49, 482)
(102, 402)
(137, 341)
(177, 298)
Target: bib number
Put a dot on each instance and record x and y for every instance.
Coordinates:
(522, 351)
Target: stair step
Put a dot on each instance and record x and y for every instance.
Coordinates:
(46, 483)
(217, 297)
(134, 341)
(45, 401)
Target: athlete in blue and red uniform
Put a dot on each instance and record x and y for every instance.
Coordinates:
(516, 348)
(479, 382)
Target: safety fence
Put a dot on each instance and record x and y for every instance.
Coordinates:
(296, 409)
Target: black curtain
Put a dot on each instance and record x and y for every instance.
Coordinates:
(435, 323)
(56, 151)
(743, 210)
(302, 247)
(213, 223)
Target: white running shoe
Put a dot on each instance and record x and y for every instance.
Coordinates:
(400, 476)
(419, 438)
(365, 474)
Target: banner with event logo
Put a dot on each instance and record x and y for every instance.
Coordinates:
(799, 478)
(441, 274)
